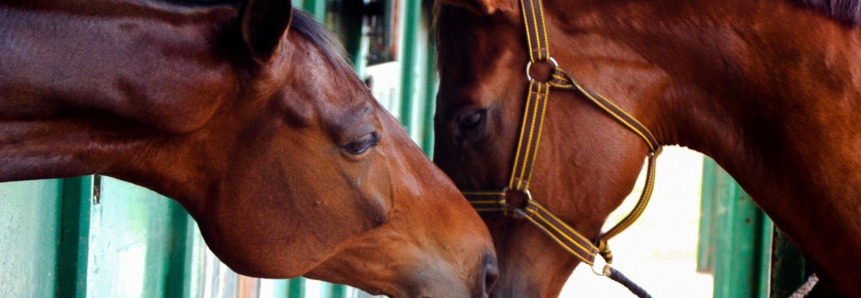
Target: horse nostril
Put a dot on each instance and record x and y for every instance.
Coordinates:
(491, 273)
(490, 280)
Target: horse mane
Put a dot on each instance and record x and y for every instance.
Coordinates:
(452, 40)
(303, 23)
(321, 38)
(845, 11)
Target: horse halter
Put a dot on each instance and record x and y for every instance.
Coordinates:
(527, 147)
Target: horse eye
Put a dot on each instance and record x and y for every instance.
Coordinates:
(362, 144)
(471, 120)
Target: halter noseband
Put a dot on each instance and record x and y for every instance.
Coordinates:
(527, 147)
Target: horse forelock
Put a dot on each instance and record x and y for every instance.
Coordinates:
(322, 39)
(452, 29)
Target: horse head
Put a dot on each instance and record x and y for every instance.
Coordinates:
(752, 85)
(250, 118)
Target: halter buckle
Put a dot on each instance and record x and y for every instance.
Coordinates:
(529, 66)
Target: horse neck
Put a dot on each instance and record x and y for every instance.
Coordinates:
(72, 104)
(771, 91)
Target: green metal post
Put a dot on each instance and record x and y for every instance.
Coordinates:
(134, 247)
(333, 291)
(30, 214)
(749, 257)
(298, 4)
(74, 240)
(178, 279)
(765, 245)
(706, 244)
(316, 8)
(739, 263)
(410, 63)
(296, 288)
(431, 88)
(339, 291)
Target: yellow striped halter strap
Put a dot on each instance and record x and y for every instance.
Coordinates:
(527, 147)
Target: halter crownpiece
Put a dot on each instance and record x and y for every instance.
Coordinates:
(527, 147)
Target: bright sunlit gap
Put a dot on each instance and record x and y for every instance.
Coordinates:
(659, 251)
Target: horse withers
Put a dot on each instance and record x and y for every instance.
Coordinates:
(770, 89)
(249, 118)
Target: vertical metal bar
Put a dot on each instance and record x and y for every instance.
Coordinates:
(30, 229)
(178, 277)
(195, 260)
(74, 238)
(316, 8)
(431, 88)
(339, 291)
(765, 257)
(738, 257)
(706, 241)
(296, 288)
(298, 4)
(410, 69)
(723, 282)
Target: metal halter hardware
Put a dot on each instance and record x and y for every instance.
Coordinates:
(527, 147)
(529, 66)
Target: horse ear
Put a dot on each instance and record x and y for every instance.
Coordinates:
(485, 7)
(263, 24)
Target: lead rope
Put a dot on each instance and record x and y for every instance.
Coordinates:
(805, 289)
(617, 276)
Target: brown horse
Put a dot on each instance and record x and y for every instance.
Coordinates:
(770, 89)
(263, 134)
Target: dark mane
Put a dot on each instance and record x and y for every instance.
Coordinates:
(304, 23)
(322, 38)
(845, 11)
(451, 38)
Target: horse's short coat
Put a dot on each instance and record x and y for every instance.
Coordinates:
(250, 119)
(770, 89)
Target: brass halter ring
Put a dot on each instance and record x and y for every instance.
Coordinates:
(515, 208)
(529, 66)
(525, 191)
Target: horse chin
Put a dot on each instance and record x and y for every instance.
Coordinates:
(521, 288)
(512, 287)
(418, 276)
(532, 282)
(417, 288)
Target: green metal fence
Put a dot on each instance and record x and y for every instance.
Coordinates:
(740, 245)
(29, 230)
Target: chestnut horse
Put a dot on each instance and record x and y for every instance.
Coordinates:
(264, 134)
(770, 89)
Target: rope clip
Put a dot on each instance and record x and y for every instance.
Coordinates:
(605, 271)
